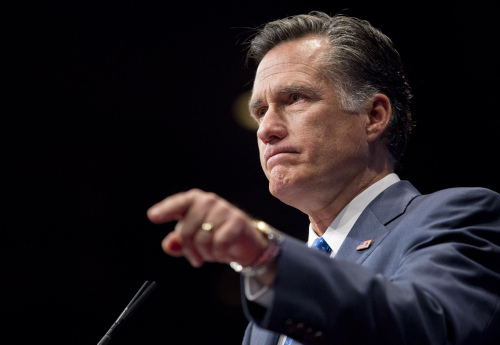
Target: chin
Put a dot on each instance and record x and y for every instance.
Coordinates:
(286, 192)
(286, 185)
(279, 187)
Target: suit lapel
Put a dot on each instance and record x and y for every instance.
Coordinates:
(373, 221)
(368, 229)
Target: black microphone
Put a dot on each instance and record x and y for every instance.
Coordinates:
(133, 305)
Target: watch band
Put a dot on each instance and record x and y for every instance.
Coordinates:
(261, 264)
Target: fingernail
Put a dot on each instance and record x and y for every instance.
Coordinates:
(175, 247)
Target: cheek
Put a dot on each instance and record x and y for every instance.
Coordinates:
(262, 148)
(317, 140)
(332, 146)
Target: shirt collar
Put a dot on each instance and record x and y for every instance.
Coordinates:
(343, 223)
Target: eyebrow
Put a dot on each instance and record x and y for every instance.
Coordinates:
(253, 105)
(283, 90)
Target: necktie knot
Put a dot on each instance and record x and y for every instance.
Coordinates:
(321, 244)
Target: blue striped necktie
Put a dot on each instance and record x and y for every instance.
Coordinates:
(319, 244)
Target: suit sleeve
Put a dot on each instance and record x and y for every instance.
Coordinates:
(436, 280)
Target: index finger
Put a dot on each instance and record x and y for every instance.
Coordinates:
(171, 208)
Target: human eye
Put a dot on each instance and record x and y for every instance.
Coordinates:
(260, 113)
(296, 97)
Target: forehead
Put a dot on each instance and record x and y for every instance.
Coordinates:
(292, 62)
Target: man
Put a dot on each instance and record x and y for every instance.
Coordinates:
(332, 103)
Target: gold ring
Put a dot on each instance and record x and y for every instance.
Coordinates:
(208, 226)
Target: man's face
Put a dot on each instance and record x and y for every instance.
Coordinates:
(309, 148)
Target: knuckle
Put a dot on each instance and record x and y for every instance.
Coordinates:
(240, 220)
(194, 192)
(202, 198)
(208, 201)
(237, 222)
(211, 195)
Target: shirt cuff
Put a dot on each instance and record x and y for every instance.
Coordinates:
(257, 292)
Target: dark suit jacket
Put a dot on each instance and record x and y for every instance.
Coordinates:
(431, 276)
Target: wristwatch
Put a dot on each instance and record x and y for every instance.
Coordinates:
(270, 253)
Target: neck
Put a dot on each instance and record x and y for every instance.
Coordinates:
(322, 217)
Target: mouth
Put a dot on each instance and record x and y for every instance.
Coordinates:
(273, 155)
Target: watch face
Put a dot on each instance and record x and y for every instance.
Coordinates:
(270, 232)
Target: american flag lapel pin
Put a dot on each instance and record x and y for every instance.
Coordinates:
(364, 245)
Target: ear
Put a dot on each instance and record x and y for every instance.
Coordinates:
(378, 110)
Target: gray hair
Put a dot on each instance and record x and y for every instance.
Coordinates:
(361, 63)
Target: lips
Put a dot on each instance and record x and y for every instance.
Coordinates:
(272, 151)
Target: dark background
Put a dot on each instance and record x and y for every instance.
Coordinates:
(110, 107)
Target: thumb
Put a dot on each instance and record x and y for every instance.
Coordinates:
(172, 244)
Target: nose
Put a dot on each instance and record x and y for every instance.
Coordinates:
(272, 127)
